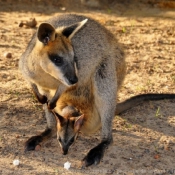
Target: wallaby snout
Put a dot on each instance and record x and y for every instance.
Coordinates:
(73, 80)
(70, 74)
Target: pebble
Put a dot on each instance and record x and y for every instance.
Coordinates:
(37, 148)
(7, 55)
(63, 8)
(67, 165)
(16, 162)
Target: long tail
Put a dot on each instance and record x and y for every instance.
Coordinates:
(138, 99)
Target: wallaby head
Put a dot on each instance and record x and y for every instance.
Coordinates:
(55, 52)
(68, 127)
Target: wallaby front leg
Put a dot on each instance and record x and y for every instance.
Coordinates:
(32, 142)
(41, 98)
(52, 102)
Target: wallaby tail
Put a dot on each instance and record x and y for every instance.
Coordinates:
(138, 99)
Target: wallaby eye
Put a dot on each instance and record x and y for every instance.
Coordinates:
(56, 59)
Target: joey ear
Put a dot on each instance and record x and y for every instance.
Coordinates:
(46, 33)
(60, 120)
(70, 31)
(78, 122)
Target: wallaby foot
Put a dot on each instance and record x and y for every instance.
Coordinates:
(95, 155)
(33, 141)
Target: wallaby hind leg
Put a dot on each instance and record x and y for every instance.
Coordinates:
(32, 142)
(105, 102)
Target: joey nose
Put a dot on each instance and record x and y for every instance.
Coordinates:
(73, 80)
(65, 151)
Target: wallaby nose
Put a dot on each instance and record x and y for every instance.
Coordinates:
(73, 80)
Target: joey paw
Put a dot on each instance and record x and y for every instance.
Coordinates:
(51, 105)
(43, 100)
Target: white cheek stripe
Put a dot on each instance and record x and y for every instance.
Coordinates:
(76, 70)
(59, 75)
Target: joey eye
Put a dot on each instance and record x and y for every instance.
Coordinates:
(56, 59)
(71, 140)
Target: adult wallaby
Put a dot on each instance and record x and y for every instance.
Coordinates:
(68, 50)
(72, 49)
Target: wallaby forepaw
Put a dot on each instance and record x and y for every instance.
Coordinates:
(51, 105)
(42, 99)
(93, 157)
(32, 143)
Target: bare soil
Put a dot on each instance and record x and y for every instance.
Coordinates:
(144, 137)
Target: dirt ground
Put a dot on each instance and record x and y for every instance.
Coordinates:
(144, 137)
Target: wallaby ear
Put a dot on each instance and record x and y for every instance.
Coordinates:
(70, 31)
(78, 122)
(46, 33)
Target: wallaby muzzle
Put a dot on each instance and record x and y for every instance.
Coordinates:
(73, 80)
(71, 76)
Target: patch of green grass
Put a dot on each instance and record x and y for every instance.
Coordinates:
(155, 147)
(158, 112)
(124, 30)
(140, 88)
(129, 125)
(109, 11)
(173, 78)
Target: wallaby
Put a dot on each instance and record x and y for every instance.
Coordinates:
(72, 50)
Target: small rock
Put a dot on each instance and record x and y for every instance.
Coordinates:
(17, 136)
(67, 165)
(157, 156)
(37, 148)
(63, 8)
(7, 55)
(30, 23)
(16, 162)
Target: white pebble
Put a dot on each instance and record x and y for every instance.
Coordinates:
(16, 162)
(67, 165)
(63, 8)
